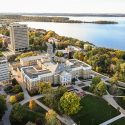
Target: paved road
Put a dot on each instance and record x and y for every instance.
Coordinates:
(109, 98)
(31, 98)
(6, 120)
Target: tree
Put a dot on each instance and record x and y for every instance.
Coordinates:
(43, 87)
(122, 67)
(17, 113)
(32, 105)
(100, 89)
(79, 56)
(70, 103)
(13, 99)
(59, 54)
(51, 117)
(17, 89)
(20, 96)
(54, 46)
(114, 79)
(96, 80)
(2, 105)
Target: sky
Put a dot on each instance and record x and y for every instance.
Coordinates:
(63, 6)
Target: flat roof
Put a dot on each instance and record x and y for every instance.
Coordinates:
(3, 58)
(77, 63)
(31, 72)
(30, 58)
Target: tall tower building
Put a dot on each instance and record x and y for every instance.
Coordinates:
(19, 37)
(4, 69)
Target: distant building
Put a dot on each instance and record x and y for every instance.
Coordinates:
(4, 69)
(52, 40)
(49, 48)
(3, 24)
(71, 48)
(19, 37)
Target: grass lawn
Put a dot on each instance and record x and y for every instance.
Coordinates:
(119, 122)
(94, 111)
(120, 101)
(37, 109)
(27, 115)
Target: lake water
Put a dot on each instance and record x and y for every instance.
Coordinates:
(103, 35)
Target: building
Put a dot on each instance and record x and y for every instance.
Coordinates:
(71, 48)
(4, 70)
(52, 39)
(49, 49)
(44, 69)
(19, 37)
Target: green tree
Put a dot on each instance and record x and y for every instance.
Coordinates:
(59, 54)
(100, 89)
(44, 87)
(114, 79)
(70, 103)
(96, 80)
(17, 113)
(2, 105)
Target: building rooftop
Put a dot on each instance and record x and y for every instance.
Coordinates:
(17, 25)
(77, 63)
(31, 72)
(3, 58)
(32, 58)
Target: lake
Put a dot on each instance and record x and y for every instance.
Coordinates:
(103, 35)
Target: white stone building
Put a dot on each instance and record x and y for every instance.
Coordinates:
(4, 70)
(45, 70)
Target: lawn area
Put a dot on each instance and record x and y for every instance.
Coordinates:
(94, 111)
(119, 122)
(120, 101)
(37, 109)
(23, 115)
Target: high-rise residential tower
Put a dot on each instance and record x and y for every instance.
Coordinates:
(4, 70)
(19, 37)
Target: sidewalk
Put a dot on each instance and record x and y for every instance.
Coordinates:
(66, 120)
(112, 120)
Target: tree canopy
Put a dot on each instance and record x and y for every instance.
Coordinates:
(70, 103)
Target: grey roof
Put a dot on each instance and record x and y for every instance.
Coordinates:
(32, 73)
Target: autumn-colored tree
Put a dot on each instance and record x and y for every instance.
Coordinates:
(32, 105)
(70, 103)
(13, 99)
(114, 79)
(51, 117)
